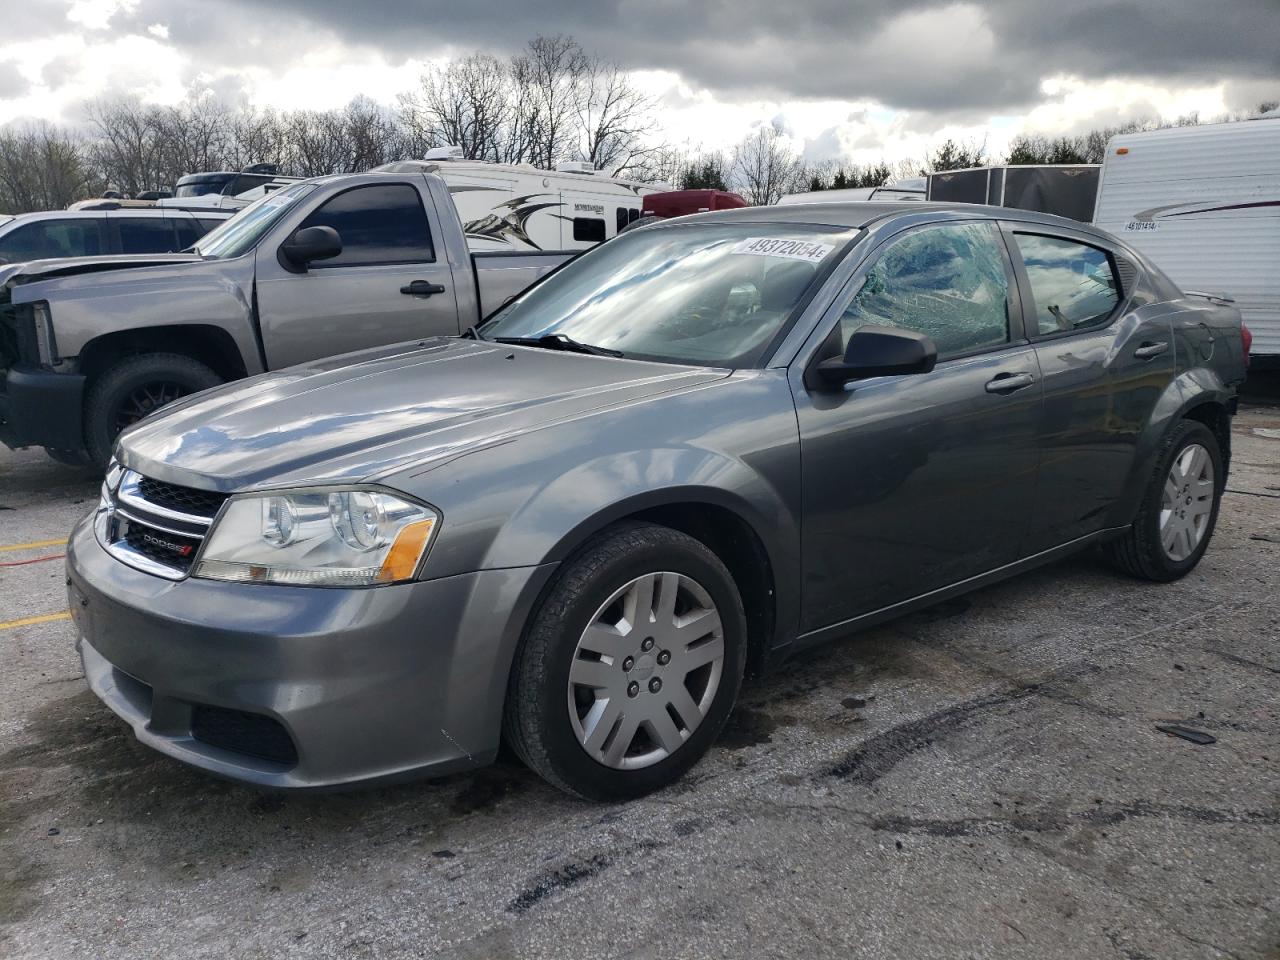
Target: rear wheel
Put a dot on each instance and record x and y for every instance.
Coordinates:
(132, 389)
(1178, 511)
(630, 666)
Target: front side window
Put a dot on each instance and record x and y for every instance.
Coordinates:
(711, 294)
(241, 233)
(1073, 284)
(52, 238)
(947, 282)
(383, 223)
(146, 235)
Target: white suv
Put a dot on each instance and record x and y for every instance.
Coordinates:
(87, 233)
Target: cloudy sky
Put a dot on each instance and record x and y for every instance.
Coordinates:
(859, 79)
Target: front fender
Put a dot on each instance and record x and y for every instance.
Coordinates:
(1191, 388)
(214, 293)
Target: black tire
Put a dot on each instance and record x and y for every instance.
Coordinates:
(71, 458)
(118, 397)
(1140, 552)
(536, 720)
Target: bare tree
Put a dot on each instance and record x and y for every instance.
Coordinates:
(612, 117)
(764, 166)
(549, 70)
(467, 103)
(42, 168)
(128, 146)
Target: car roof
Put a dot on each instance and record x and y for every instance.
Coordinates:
(859, 214)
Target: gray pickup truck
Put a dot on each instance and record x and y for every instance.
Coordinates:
(90, 345)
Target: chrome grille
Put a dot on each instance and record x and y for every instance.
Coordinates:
(154, 526)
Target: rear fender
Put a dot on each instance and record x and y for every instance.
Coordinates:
(1190, 389)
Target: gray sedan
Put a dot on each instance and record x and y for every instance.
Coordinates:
(690, 453)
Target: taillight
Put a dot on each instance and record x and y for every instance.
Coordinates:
(1247, 339)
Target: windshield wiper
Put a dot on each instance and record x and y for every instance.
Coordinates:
(560, 341)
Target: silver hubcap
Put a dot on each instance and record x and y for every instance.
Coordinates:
(646, 671)
(1186, 503)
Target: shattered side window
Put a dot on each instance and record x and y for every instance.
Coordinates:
(947, 282)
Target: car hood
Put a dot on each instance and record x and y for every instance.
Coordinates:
(365, 415)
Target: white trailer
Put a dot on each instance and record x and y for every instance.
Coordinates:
(518, 207)
(1204, 203)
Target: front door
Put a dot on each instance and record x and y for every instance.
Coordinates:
(912, 483)
(361, 298)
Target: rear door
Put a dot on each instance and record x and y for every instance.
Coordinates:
(141, 233)
(389, 284)
(1106, 354)
(912, 483)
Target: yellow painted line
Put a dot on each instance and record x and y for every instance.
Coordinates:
(33, 545)
(32, 621)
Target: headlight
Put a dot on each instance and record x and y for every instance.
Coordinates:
(107, 500)
(331, 538)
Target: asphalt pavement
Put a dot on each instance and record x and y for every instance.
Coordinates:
(983, 779)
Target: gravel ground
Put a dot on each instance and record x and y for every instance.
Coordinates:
(983, 779)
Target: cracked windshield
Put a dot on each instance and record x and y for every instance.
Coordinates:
(711, 295)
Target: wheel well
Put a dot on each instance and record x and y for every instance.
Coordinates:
(1217, 418)
(731, 539)
(211, 346)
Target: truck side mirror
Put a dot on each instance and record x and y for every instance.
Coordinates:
(308, 245)
(875, 351)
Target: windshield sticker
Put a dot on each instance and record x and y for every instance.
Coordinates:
(805, 250)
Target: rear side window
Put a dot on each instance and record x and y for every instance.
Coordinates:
(622, 219)
(53, 238)
(947, 282)
(146, 235)
(588, 229)
(382, 223)
(1073, 285)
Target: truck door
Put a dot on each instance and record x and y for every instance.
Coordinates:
(389, 284)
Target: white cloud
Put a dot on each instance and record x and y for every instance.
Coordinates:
(158, 30)
(97, 14)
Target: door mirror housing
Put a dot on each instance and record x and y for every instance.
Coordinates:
(308, 245)
(875, 351)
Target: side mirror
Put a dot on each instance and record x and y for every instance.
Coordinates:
(309, 244)
(878, 352)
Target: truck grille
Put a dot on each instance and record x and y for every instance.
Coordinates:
(158, 527)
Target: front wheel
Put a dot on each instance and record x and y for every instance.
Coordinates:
(630, 666)
(1179, 509)
(135, 387)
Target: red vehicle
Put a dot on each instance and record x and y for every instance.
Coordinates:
(676, 203)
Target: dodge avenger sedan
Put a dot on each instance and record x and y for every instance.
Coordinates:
(693, 451)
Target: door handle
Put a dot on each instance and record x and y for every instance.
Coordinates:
(422, 288)
(1151, 348)
(1009, 382)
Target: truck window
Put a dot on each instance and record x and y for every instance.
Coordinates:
(380, 223)
(622, 219)
(147, 235)
(52, 238)
(588, 229)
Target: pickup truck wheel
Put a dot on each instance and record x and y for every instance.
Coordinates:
(134, 388)
(1179, 509)
(630, 665)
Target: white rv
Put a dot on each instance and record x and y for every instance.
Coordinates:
(1204, 203)
(520, 208)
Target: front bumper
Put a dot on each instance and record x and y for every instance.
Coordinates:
(367, 685)
(41, 408)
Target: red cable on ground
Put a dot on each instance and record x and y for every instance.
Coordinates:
(23, 563)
